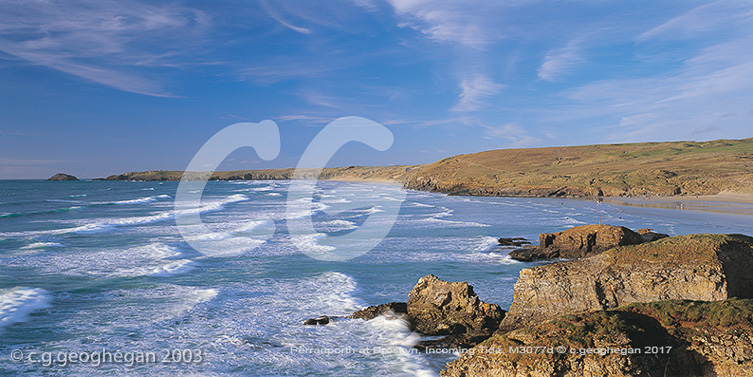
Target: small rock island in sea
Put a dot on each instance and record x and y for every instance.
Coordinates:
(647, 305)
(62, 177)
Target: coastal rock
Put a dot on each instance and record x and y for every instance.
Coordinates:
(321, 320)
(515, 241)
(394, 309)
(62, 177)
(579, 242)
(438, 307)
(648, 236)
(707, 267)
(669, 338)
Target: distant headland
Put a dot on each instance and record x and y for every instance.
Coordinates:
(609, 170)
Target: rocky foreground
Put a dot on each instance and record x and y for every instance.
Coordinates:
(675, 306)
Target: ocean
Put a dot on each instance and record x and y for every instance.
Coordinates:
(96, 279)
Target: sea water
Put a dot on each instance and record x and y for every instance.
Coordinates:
(100, 267)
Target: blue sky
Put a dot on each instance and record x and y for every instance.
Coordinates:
(101, 87)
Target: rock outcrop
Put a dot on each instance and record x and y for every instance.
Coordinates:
(649, 236)
(706, 267)
(579, 242)
(438, 307)
(514, 241)
(397, 309)
(669, 338)
(62, 177)
(321, 320)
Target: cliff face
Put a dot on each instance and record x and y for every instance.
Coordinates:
(694, 267)
(669, 338)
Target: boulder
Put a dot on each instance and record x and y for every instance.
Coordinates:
(579, 242)
(321, 320)
(393, 309)
(707, 267)
(438, 307)
(648, 236)
(515, 241)
(669, 338)
(62, 177)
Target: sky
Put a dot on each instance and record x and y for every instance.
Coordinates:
(100, 87)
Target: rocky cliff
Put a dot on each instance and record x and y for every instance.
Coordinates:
(669, 338)
(695, 267)
(583, 241)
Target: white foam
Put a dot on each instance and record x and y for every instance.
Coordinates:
(40, 245)
(147, 199)
(274, 194)
(336, 225)
(422, 205)
(304, 207)
(108, 224)
(487, 243)
(174, 268)
(308, 242)
(148, 189)
(17, 303)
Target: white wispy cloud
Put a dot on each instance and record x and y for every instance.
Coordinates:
(512, 132)
(101, 41)
(466, 23)
(711, 90)
(474, 91)
(702, 19)
(559, 61)
(277, 17)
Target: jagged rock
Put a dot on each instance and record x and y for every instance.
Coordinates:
(706, 339)
(707, 267)
(648, 236)
(396, 309)
(62, 177)
(454, 341)
(515, 241)
(443, 308)
(579, 242)
(321, 320)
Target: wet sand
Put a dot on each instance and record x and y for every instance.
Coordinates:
(725, 202)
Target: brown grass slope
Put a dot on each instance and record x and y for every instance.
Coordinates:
(666, 168)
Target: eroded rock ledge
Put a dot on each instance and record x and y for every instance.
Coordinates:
(584, 241)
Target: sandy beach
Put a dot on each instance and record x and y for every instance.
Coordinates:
(725, 202)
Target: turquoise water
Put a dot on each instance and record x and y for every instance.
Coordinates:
(100, 266)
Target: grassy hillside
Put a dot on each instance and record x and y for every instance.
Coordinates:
(644, 169)
(670, 168)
